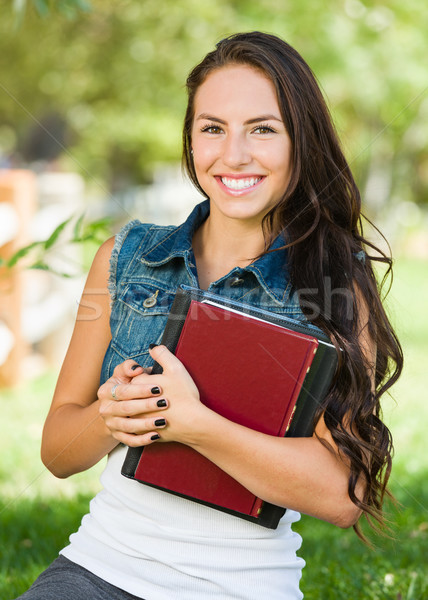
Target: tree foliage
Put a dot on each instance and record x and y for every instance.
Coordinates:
(69, 8)
(74, 230)
(114, 77)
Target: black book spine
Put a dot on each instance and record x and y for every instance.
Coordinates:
(170, 338)
(313, 392)
(130, 463)
(174, 325)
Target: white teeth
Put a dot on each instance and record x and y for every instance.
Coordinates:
(240, 184)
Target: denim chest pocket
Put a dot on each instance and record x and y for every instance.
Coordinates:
(139, 317)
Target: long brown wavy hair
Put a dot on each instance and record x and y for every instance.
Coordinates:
(330, 261)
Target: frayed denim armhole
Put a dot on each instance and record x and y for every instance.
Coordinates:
(114, 258)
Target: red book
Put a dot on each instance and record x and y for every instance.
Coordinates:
(247, 370)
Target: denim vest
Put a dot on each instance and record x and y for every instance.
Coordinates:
(149, 262)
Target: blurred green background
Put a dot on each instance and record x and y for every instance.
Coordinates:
(97, 89)
(108, 83)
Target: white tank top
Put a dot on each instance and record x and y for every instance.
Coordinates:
(158, 546)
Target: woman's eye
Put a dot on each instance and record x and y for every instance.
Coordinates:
(263, 129)
(211, 129)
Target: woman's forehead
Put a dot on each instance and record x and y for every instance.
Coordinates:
(236, 87)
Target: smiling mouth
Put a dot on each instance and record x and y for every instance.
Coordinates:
(243, 183)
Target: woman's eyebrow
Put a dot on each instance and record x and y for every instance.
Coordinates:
(207, 117)
(263, 118)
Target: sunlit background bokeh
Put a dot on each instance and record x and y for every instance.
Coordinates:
(92, 99)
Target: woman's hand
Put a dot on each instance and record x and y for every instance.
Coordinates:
(131, 405)
(139, 408)
(185, 414)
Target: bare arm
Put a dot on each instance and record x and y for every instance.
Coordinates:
(74, 436)
(79, 429)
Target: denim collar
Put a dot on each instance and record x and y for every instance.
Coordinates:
(270, 270)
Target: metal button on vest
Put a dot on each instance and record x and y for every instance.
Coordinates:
(236, 281)
(151, 300)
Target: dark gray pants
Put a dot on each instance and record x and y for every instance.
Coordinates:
(64, 580)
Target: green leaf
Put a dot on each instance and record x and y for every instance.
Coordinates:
(411, 590)
(97, 230)
(42, 7)
(93, 231)
(103, 224)
(83, 5)
(71, 8)
(55, 235)
(21, 253)
(42, 266)
(77, 231)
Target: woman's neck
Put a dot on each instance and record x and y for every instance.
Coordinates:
(218, 249)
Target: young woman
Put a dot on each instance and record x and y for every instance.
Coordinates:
(280, 229)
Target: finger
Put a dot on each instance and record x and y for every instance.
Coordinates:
(132, 408)
(137, 369)
(165, 358)
(138, 426)
(134, 391)
(113, 391)
(135, 441)
(125, 371)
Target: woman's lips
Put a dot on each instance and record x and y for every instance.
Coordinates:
(238, 186)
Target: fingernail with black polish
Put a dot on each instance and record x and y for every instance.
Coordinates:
(161, 403)
(151, 346)
(155, 390)
(135, 367)
(160, 422)
(155, 436)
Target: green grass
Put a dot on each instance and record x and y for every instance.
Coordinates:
(31, 533)
(339, 566)
(38, 512)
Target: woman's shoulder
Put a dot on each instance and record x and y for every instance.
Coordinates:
(132, 239)
(136, 233)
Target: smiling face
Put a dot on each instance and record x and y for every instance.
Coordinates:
(241, 149)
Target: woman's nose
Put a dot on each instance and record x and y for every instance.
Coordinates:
(236, 150)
